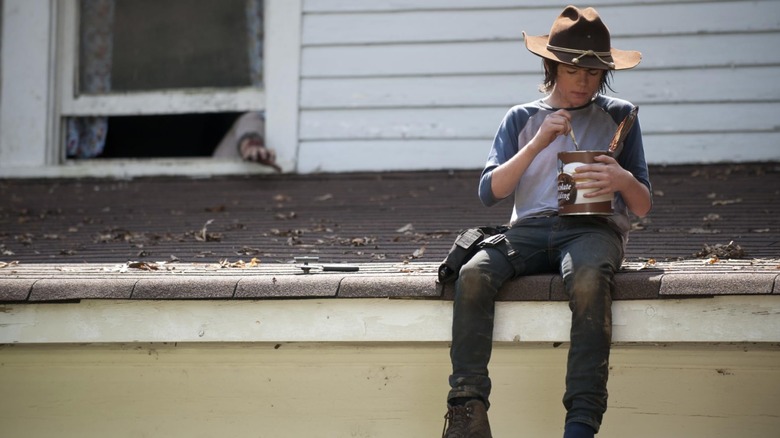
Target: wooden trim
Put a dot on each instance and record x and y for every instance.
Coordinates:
(26, 113)
(164, 102)
(141, 103)
(719, 319)
(282, 78)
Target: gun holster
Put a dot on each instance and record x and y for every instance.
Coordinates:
(467, 244)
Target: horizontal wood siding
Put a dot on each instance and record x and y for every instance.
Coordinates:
(376, 390)
(424, 84)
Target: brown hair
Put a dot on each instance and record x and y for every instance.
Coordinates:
(551, 72)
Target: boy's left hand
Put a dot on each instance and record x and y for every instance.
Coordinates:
(607, 176)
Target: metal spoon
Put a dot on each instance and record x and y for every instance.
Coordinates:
(571, 134)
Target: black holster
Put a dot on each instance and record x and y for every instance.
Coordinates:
(466, 245)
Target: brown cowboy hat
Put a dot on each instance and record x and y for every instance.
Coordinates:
(579, 37)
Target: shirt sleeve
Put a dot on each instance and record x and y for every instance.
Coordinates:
(505, 146)
(632, 158)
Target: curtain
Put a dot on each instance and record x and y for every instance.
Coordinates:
(86, 136)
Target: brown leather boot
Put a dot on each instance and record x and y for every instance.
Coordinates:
(467, 421)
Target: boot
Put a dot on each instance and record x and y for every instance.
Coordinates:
(467, 421)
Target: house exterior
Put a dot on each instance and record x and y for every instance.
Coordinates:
(396, 85)
(374, 86)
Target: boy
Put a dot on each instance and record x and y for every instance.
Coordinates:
(586, 250)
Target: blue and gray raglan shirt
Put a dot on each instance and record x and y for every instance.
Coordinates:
(594, 125)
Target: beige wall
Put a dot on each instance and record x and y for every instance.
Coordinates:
(371, 390)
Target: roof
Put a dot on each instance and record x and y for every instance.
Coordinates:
(714, 229)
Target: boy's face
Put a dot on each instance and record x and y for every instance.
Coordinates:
(575, 86)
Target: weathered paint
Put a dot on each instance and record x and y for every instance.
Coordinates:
(276, 390)
(721, 319)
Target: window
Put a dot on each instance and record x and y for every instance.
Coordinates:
(146, 67)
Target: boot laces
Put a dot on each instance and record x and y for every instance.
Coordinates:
(457, 418)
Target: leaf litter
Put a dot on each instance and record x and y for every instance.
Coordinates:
(719, 251)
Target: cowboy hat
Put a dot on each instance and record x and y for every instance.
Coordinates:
(579, 37)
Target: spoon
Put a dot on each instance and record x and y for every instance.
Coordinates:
(571, 134)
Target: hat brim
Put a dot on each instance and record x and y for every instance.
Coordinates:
(623, 59)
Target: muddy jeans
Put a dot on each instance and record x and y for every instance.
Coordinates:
(587, 252)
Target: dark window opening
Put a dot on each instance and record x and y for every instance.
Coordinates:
(181, 135)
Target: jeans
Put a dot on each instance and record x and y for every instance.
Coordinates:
(587, 252)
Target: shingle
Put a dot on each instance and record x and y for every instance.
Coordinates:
(528, 288)
(637, 285)
(62, 289)
(184, 287)
(556, 289)
(388, 286)
(717, 283)
(15, 289)
(288, 286)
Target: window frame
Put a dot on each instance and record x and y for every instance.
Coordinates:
(155, 102)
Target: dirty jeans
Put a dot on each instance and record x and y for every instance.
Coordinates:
(587, 252)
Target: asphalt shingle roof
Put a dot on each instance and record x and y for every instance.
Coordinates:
(714, 229)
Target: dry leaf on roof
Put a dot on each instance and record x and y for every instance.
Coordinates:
(246, 250)
(699, 230)
(362, 241)
(727, 201)
(24, 239)
(325, 197)
(649, 264)
(286, 216)
(9, 264)
(144, 266)
(204, 236)
(216, 209)
(405, 228)
(224, 263)
(712, 260)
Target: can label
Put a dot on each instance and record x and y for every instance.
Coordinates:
(571, 200)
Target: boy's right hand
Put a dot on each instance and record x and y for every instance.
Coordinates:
(555, 124)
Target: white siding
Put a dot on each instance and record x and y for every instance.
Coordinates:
(406, 85)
